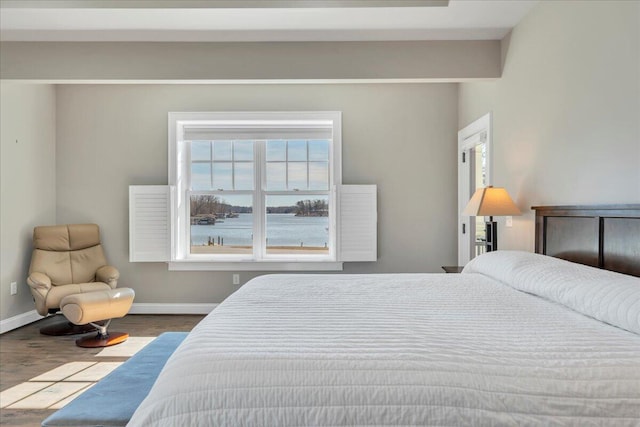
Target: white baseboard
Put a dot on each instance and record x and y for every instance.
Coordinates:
(15, 322)
(170, 308)
(137, 308)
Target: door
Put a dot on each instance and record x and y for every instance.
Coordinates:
(474, 171)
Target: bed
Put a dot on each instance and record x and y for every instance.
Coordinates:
(516, 339)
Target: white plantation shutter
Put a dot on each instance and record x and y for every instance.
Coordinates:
(358, 220)
(149, 223)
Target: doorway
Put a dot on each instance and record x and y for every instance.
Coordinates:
(474, 171)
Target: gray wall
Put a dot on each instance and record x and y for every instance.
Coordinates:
(401, 137)
(27, 126)
(566, 112)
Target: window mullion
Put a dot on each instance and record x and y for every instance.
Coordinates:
(297, 193)
(233, 165)
(184, 239)
(286, 165)
(211, 163)
(258, 200)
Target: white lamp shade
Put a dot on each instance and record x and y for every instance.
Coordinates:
(491, 201)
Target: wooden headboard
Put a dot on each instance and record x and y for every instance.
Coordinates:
(604, 236)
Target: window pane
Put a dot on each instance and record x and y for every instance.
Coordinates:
(243, 176)
(319, 150)
(297, 225)
(221, 225)
(222, 150)
(222, 176)
(318, 175)
(276, 151)
(276, 176)
(243, 150)
(297, 176)
(297, 150)
(200, 176)
(201, 150)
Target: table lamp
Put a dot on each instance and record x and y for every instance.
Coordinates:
(491, 201)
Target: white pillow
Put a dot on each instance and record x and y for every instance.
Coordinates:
(610, 297)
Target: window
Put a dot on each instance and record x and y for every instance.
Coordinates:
(255, 187)
(253, 191)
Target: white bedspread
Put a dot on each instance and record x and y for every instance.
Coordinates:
(611, 297)
(400, 349)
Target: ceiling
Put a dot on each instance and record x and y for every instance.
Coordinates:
(273, 20)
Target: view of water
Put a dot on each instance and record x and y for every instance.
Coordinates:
(282, 230)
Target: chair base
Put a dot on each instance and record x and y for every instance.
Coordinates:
(95, 341)
(66, 328)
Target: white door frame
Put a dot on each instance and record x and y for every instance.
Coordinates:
(468, 137)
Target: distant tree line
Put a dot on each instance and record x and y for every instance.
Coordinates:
(205, 205)
(238, 209)
(316, 207)
(281, 209)
(212, 205)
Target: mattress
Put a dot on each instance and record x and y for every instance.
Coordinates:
(403, 349)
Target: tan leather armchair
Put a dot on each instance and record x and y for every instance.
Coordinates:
(67, 260)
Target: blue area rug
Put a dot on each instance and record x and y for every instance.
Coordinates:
(114, 399)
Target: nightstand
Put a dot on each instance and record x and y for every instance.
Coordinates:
(452, 269)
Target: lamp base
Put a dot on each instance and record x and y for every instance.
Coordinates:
(491, 229)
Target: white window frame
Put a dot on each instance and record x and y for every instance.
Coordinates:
(179, 168)
(478, 132)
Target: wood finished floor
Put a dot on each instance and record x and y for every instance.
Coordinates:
(25, 353)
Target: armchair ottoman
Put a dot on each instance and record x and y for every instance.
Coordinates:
(91, 307)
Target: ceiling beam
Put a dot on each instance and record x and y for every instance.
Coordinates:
(213, 4)
(277, 61)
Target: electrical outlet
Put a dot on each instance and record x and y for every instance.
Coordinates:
(14, 288)
(508, 221)
(236, 279)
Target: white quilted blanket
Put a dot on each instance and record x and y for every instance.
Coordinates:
(604, 295)
(397, 349)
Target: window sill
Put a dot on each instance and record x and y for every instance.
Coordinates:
(190, 265)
